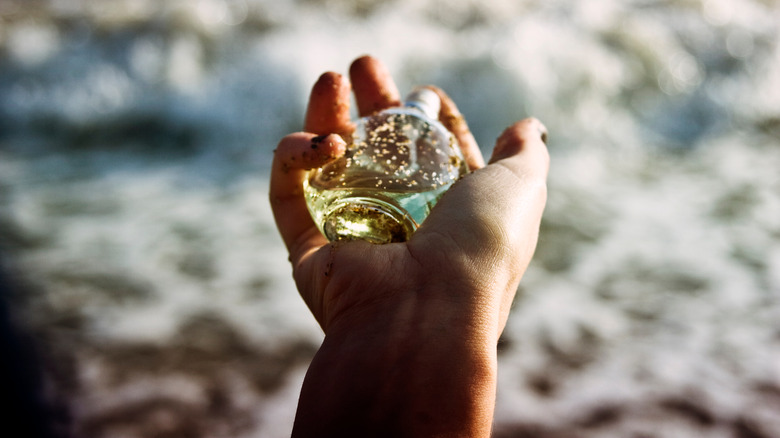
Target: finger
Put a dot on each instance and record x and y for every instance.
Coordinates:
(528, 137)
(454, 121)
(521, 162)
(374, 88)
(296, 154)
(522, 150)
(328, 109)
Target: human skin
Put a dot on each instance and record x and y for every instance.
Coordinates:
(411, 328)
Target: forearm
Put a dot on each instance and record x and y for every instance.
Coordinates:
(396, 382)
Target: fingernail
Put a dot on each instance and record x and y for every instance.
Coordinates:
(315, 141)
(542, 130)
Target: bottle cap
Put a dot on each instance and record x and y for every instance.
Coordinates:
(425, 100)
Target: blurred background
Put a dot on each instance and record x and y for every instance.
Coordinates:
(144, 275)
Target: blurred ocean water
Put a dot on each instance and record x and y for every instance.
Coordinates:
(136, 138)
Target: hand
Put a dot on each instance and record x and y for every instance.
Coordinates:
(410, 328)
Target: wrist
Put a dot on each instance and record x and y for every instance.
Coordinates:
(407, 371)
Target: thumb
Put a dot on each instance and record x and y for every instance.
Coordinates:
(526, 137)
(493, 213)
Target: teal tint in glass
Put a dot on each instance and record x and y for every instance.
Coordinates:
(398, 163)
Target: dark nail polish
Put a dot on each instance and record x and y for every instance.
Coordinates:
(317, 140)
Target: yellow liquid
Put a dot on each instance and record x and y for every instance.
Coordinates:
(398, 164)
(378, 216)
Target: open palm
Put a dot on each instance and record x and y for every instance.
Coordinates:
(442, 296)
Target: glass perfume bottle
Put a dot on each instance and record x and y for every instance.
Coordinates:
(397, 165)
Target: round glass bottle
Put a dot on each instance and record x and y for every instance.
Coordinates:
(397, 165)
